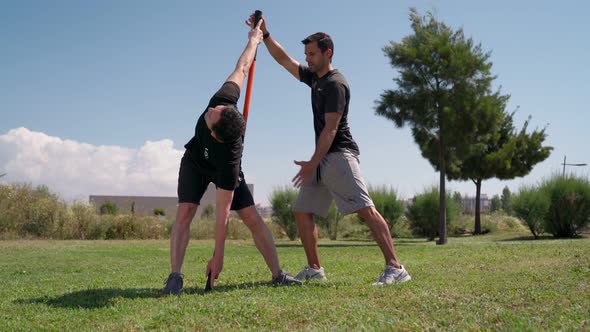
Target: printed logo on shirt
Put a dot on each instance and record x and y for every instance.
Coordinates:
(206, 153)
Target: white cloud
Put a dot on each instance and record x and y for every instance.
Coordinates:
(76, 170)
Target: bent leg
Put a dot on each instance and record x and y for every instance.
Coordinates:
(381, 234)
(262, 238)
(308, 232)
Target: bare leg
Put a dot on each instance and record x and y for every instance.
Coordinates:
(381, 234)
(180, 234)
(262, 238)
(308, 232)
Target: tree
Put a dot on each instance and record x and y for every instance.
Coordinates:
(281, 201)
(442, 74)
(495, 204)
(505, 199)
(502, 153)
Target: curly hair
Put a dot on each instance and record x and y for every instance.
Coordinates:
(230, 126)
(324, 42)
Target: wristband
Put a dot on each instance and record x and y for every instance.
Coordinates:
(266, 35)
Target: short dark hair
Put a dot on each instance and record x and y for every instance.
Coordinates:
(324, 42)
(230, 126)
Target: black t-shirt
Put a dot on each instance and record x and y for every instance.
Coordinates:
(330, 93)
(220, 161)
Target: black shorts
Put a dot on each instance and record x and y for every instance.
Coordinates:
(192, 184)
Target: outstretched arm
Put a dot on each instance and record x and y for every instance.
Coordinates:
(245, 60)
(222, 210)
(277, 51)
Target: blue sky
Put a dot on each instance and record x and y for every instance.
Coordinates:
(111, 90)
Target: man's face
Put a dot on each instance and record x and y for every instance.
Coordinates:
(316, 60)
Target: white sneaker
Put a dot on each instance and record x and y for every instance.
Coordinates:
(392, 275)
(311, 273)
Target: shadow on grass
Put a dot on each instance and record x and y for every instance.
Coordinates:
(93, 298)
(542, 237)
(225, 288)
(354, 243)
(102, 298)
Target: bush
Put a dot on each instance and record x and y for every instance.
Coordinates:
(86, 224)
(208, 212)
(282, 200)
(109, 207)
(159, 212)
(388, 205)
(569, 208)
(531, 205)
(423, 213)
(205, 229)
(26, 212)
(123, 227)
(330, 223)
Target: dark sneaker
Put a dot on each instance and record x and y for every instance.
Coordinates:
(173, 284)
(284, 279)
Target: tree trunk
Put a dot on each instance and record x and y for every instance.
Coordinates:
(442, 214)
(477, 227)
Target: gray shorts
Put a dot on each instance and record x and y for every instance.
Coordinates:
(340, 179)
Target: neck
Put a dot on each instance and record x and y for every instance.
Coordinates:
(324, 71)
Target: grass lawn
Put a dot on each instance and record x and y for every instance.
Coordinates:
(499, 281)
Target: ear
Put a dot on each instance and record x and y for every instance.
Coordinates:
(329, 52)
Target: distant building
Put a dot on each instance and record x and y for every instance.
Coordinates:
(468, 204)
(145, 205)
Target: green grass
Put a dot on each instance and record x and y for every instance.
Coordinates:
(492, 282)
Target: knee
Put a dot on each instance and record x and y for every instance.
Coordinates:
(303, 217)
(253, 222)
(185, 214)
(368, 214)
(251, 218)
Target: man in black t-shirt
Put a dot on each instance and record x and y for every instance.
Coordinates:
(214, 154)
(333, 172)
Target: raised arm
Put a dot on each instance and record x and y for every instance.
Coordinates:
(245, 60)
(276, 50)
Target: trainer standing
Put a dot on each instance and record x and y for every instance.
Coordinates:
(333, 171)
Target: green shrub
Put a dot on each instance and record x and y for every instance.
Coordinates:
(569, 209)
(282, 200)
(85, 222)
(388, 205)
(423, 213)
(123, 227)
(330, 223)
(531, 205)
(109, 207)
(208, 212)
(28, 212)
